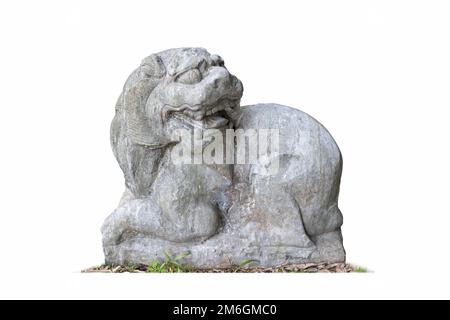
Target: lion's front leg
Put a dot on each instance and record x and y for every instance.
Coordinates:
(194, 220)
(138, 216)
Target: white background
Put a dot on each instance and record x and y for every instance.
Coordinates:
(375, 73)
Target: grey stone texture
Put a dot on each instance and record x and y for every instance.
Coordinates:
(221, 214)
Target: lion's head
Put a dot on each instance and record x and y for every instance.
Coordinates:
(180, 87)
(196, 88)
(188, 83)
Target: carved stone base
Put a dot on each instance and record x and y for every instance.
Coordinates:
(224, 251)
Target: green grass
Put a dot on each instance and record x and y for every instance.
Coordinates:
(243, 264)
(360, 270)
(172, 264)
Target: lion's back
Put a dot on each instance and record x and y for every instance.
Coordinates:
(309, 158)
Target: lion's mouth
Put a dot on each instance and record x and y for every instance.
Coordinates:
(207, 122)
(215, 116)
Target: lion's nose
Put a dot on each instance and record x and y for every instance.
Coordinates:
(219, 77)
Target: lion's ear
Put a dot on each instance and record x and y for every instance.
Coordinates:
(152, 67)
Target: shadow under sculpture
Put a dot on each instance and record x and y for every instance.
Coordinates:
(226, 212)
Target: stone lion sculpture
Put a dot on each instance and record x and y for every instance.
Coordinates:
(219, 213)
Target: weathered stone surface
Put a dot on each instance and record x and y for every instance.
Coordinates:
(221, 214)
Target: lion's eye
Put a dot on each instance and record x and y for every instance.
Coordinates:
(189, 77)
